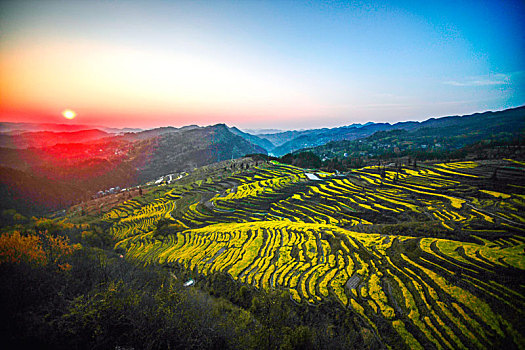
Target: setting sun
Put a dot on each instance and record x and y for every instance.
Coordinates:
(69, 114)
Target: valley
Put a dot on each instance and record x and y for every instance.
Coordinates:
(281, 175)
(391, 236)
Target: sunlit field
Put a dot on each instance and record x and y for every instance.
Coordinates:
(431, 255)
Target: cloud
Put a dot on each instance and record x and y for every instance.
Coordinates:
(475, 83)
(495, 79)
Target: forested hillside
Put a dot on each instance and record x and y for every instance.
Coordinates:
(91, 165)
(459, 130)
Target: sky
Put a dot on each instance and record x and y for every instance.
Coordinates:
(258, 64)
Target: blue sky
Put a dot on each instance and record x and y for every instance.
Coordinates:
(271, 64)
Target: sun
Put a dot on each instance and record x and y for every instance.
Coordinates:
(69, 114)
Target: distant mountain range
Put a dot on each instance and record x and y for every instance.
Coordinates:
(263, 131)
(36, 166)
(433, 136)
(290, 141)
(38, 139)
(40, 161)
(17, 128)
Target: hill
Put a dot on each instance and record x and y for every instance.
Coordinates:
(474, 127)
(85, 168)
(279, 138)
(191, 148)
(322, 136)
(39, 139)
(261, 142)
(18, 128)
(390, 244)
(434, 138)
(405, 255)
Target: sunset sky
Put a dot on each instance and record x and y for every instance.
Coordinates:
(258, 64)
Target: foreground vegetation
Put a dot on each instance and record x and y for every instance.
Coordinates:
(85, 296)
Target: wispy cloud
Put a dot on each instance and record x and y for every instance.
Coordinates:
(494, 79)
(475, 83)
(386, 105)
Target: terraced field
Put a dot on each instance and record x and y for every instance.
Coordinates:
(432, 256)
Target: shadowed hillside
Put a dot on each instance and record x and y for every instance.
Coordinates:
(85, 168)
(471, 128)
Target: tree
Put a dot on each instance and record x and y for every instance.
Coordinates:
(15, 248)
(36, 250)
(299, 338)
(306, 159)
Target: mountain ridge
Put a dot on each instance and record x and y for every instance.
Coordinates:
(432, 138)
(291, 141)
(121, 160)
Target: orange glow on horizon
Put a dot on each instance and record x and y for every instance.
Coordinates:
(122, 86)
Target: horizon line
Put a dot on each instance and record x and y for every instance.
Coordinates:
(97, 126)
